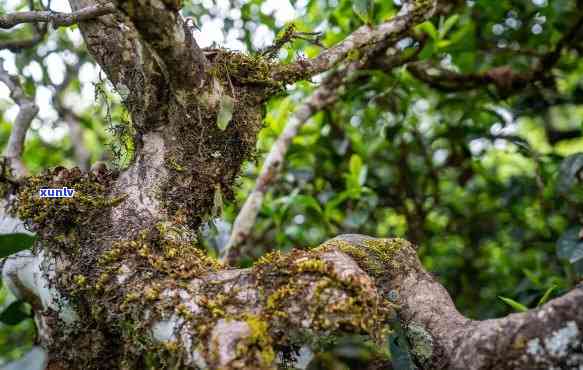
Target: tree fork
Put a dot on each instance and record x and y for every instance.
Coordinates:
(118, 281)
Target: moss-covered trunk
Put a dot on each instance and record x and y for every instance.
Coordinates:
(117, 279)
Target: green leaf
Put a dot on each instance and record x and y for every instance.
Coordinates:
(364, 9)
(357, 170)
(13, 243)
(428, 50)
(429, 29)
(544, 299)
(225, 111)
(570, 245)
(15, 313)
(308, 202)
(519, 307)
(448, 25)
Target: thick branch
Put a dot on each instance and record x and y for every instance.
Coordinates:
(55, 18)
(114, 43)
(165, 31)
(441, 338)
(236, 318)
(222, 318)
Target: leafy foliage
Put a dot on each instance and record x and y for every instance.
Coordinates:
(12, 243)
(15, 313)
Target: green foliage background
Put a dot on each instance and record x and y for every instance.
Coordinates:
(477, 180)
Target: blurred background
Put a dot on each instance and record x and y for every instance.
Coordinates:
(490, 187)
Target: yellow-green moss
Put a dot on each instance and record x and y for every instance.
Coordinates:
(261, 338)
(53, 218)
(173, 164)
(375, 256)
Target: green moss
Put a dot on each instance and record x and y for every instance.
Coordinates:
(353, 55)
(53, 218)
(260, 338)
(172, 163)
(312, 265)
(244, 68)
(421, 342)
(375, 256)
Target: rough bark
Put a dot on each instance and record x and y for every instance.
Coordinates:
(233, 318)
(117, 279)
(55, 18)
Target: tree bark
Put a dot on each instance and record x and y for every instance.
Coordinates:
(117, 279)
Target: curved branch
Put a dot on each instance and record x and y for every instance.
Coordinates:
(506, 80)
(237, 318)
(57, 19)
(325, 95)
(27, 112)
(361, 42)
(441, 338)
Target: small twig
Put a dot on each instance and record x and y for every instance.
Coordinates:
(324, 95)
(38, 33)
(57, 19)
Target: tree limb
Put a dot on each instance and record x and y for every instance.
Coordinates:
(324, 96)
(284, 296)
(81, 154)
(359, 42)
(506, 80)
(27, 112)
(165, 31)
(57, 19)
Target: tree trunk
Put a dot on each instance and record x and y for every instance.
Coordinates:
(118, 280)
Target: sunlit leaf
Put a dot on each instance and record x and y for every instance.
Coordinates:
(448, 25)
(429, 29)
(519, 307)
(227, 104)
(545, 298)
(364, 9)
